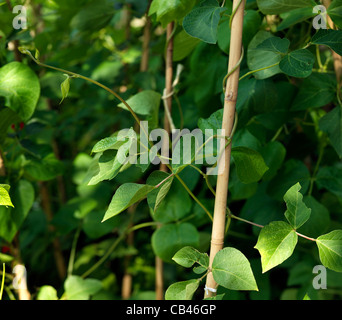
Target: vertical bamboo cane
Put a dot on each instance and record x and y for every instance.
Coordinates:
(219, 219)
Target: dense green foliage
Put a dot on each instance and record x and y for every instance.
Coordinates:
(67, 197)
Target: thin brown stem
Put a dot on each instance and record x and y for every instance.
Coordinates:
(337, 58)
(261, 226)
(146, 44)
(2, 165)
(163, 167)
(57, 251)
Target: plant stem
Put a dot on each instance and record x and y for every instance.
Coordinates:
(47, 208)
(320, 157)
(261, 69)
(194, 197)
(75, 75)
(73, 250)
(3, 280)
(219, 219)
(115, 244)
(319, 60)
(261, 226)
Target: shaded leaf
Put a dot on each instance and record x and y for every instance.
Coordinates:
(11, 219)
(331, 124)
(316, 91)
(330, 38)
(298, 63)
(280, 6)
(258, 58)
(170, 238)
(249, 164)
(202, 22)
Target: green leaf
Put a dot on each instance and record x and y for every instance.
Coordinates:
(297, 212)
(65, 87)
(7, 117)
(47, 293)
(126, 195)
(107, 168)
(202, 22)
(167, 11)
(110, 162)
(20, 87)
(5, 199)
(156, 196)
(93, 16)
(258, 58)
(249, 164)
(276, 243)
(290, 173)
(275, 44)
(145, 103)
(175, 206)
(329, 178)
(11, 219)
(331, 124)
(214, 122)
(330, 38)
(330, 250)
(183, 45)
(45, 169)
(316, 91)
(280, 6)
(93, 227)
(107, 144)
(6, 258)
(232, 270)
(274, 155)
(335, 12)
(251, 23)
(295, 16)
(77, 288)
(298, 63)
(183, 290)
(319, 221)
(170, 238)
(188, 256)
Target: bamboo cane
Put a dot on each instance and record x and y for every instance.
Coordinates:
(218, 230)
